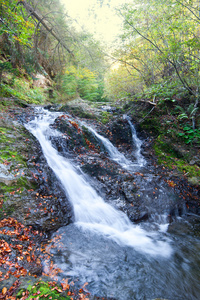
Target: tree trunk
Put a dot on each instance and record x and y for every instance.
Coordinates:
(33, 13)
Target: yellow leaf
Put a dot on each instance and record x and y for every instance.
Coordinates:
(4, 291)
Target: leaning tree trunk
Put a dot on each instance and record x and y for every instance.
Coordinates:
(36, 15)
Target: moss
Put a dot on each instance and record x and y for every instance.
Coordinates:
(23, 91)
(105, 117)
(17, 185)
(4, 210)
(9, 150)
(78, 111)
(167, 157)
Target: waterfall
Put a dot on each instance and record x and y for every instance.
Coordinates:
(112, 151)
(138, 143)
(90, 210)
(117, 156)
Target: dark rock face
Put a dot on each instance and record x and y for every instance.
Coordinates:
(139, 196)
(28, 188)
(43, 204)
(52, 210)
(121, 133)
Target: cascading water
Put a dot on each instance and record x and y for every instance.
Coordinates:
(117, 259)
(138, 143)
(90, 210)
(118, 157)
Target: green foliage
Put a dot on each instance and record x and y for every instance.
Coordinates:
(160, 44)
(101, 91)
(163, 91)
(186, 113)
(105, 117)
(82, 82)
(190, 135)
(17, 31)
(21, 89)
(90, 54)
(119, 83)
(42, 290)
(28, 44)
(87, 84)
(6, 66)
(14, 25)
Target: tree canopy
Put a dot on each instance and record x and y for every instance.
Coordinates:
(37, 37)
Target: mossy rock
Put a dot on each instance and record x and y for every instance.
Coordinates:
(78, 111)
(169, 156)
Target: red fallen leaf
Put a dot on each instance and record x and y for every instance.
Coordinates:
(19, 247)
(57, 289)
(171, 183)
(28, 258)
(65, 285)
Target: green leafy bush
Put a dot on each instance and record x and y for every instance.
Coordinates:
(21, 90)
(190, 135)
(162, 91)
(82, 82)
(42, 290)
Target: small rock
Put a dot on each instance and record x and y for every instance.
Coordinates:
(194, 180)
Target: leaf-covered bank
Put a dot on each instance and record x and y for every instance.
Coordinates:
(29, 211)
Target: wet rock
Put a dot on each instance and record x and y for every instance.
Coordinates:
(29, 190)
(194, 180)
(121, 133)
(136, 215)
(5, 176)
(195, 160)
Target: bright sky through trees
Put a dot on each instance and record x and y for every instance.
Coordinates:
(98, 19)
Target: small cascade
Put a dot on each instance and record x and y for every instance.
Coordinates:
(90, 210)
(138, 143)
(117, 156)
(112, 150)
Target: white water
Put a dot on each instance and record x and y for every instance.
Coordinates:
(117, 156)
(90, 210)
(138, 143)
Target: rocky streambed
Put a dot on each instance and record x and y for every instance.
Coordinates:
(32, 195)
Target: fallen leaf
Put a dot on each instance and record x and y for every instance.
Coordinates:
(4, 291)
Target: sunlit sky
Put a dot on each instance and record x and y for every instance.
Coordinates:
(98, 20)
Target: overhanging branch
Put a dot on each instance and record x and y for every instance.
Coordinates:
(41, 20)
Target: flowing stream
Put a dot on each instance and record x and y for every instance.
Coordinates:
(114, 153)
(117, 259)
(138, 143)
